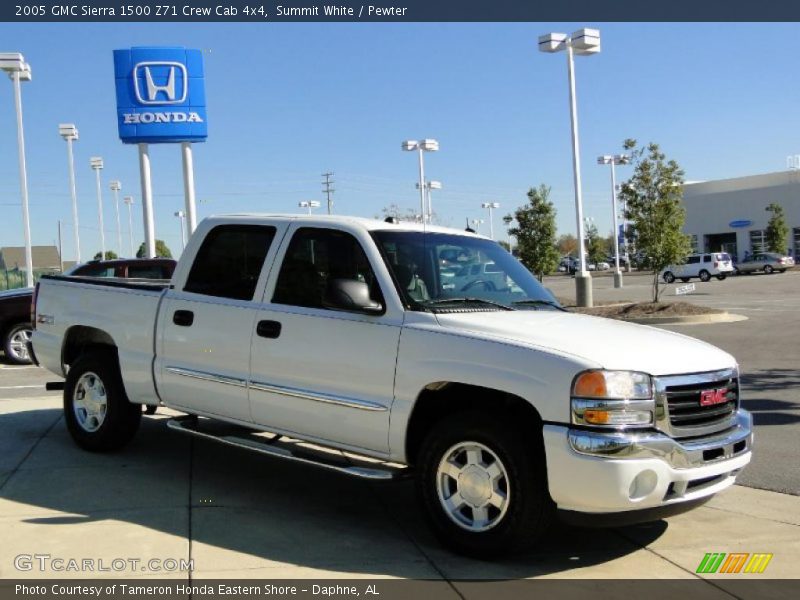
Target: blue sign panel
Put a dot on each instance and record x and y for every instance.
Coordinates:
(161, 95)
(742, 223)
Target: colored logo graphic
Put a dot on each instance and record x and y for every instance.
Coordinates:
(160, 95)
(735, 562)
(712, 397)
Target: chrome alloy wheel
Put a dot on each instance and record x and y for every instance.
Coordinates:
(18, 344)
(473, 486)
(89, 402)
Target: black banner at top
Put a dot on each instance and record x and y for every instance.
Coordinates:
(260, 11)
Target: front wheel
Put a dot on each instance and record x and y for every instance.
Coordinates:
(768, 269)
(99, 416)
(483, 485)
(16, 344)
(705, 275)
(668, 277)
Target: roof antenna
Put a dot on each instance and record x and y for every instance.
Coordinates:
(468, 228)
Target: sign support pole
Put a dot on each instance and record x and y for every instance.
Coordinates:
(147, 202)
(188, 187)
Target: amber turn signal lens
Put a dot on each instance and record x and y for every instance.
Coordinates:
(591, 384)
(596, 417)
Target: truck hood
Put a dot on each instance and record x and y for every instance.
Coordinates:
(608, 343)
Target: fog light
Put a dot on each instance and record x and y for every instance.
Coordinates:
(643, 485)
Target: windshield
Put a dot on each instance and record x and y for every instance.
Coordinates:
(432, 268)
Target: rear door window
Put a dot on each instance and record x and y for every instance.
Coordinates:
(229, 262)
(692, 260)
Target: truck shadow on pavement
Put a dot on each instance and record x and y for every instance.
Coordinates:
(238, 514)
(768, 410)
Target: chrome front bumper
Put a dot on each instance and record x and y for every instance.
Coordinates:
(679, 454)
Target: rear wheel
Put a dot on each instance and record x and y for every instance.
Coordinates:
(668, 277)
(768, 269)
(705, 275)
(483, 485)
(99, 416)
(16, 343)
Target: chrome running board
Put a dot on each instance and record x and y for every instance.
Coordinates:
(279, 446)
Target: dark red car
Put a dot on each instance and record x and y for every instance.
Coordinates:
(15, 305)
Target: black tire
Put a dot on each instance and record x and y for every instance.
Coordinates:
(668, 277)
(705, 276)
(685, 279)
(121, 418)
(768, 269)
(721, 276)
(150, 409)
(11, 343)
(529, 510)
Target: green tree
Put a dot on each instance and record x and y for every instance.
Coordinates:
(567, 244)
(654, 208)
(777, 229)
(595, 245)
(110, 255)
(536, 232)
(161, 250)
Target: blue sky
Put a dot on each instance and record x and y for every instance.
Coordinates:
(287, 102)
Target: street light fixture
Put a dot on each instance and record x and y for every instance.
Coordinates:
(613, 160)
(97, 164)
(491, 206)
(18, 71)
(182, 216)
(129, 201)
(116, 186)
(583, 42)
(69, 132)
(426, 145)
(477, 224)
(309, 204)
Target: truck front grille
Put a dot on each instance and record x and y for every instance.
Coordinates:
(698, 403)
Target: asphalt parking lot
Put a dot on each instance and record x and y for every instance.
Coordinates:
(240, 515)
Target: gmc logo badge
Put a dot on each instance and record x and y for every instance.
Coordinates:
(712, 397)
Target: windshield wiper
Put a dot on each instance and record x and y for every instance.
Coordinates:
(532, 302)
(465, 300)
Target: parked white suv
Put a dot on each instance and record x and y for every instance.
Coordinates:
(703, 266)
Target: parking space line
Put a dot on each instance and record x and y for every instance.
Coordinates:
(20, 387)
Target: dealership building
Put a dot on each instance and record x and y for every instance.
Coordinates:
(730, 215)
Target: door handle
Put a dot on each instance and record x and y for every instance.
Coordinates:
(183, 318)
(268, 329)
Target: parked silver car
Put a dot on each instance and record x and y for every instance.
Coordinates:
(768, 262)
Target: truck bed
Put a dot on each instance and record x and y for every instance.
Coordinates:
(123, 309)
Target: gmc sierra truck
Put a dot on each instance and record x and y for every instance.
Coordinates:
(356, 337)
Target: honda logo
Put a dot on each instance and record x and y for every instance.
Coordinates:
(712, 397)
(158, 82)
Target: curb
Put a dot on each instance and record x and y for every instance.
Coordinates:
(689, 319)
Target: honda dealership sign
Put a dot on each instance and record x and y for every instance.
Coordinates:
(160, 95)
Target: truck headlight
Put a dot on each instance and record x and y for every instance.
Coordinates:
(612, 399)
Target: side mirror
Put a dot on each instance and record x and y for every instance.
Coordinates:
(350, 295)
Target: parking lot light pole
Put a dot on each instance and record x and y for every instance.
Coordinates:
(430, 185)
(476, 223)
(309, 204)
(507, 220)
(181, 217)
(583, 42)
(116, 186)
(129, 201)
(97, 165)
(18, 71)
(69, 132)
(491, 206)
(617, 159)
(421, 146)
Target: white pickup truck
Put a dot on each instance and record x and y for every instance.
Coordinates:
(342, 332)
